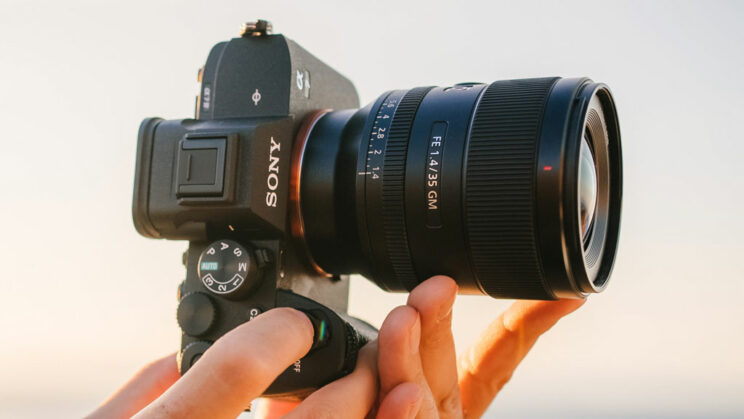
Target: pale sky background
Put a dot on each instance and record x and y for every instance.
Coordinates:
(86, 300)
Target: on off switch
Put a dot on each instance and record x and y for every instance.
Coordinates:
(228, 269)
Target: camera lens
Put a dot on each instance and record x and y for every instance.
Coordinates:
(512, 188)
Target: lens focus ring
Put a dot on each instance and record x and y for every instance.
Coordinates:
(499, 188)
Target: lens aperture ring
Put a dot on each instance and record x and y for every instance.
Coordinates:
(393, 187)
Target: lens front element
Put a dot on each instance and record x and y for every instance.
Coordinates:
(587, 189)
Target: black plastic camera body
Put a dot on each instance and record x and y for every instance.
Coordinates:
(222, 182)
(512, 188)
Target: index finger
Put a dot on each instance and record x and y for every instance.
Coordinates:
(237, 368)
(486, 366)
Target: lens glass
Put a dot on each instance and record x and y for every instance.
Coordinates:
(587, 189)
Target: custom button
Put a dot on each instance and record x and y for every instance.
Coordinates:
(201, 167)
(253, 312)
(196, 314)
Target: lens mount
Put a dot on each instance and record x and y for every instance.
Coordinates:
(296, 219)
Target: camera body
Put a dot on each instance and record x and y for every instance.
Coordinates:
(222, 182)
(284, 187)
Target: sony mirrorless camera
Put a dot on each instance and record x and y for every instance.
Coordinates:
(283, 187)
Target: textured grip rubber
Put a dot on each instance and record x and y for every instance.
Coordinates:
(499, 188)
(393, 187)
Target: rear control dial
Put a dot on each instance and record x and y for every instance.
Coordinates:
(196, 314)
(228, 269)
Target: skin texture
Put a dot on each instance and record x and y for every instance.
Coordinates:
(236, 370)
(411, 370)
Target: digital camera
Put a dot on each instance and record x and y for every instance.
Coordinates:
(283, 188)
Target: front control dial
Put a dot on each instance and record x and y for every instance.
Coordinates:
(228, 269)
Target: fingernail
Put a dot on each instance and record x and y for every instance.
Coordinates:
(415, 335)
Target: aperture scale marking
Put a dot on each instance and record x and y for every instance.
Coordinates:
(378, 136)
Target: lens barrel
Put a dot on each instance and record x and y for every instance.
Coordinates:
(479, 182)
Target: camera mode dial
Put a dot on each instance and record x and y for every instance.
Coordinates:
(228, 269)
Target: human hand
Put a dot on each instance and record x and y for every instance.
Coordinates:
(420, 375)
(238, 368)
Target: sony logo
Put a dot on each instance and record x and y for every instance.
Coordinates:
(272, 180)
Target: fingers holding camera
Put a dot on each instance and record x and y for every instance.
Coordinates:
(402, 402)
(416, 352)
(349, 397)
(433, 299)
(425, 323)
(237, 368)
(486, 366)
(399, 362)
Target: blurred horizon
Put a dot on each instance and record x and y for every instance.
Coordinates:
(88, 301)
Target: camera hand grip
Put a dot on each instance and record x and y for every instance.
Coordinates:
(336, 344)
